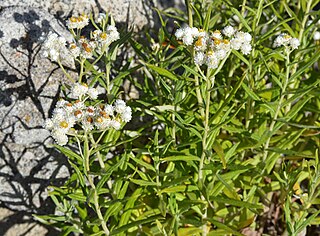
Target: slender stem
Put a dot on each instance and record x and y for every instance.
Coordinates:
(284, 87)
(95, 145)
(65, 72)
(91, 182)
(108, 78)
(189, 8)
(97, 206)
(204, 145)
(81, 70)
(199, 97)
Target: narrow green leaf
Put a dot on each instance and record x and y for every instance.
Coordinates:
(231, 190)
(180, 158)
(241, 57)
(225, 227)
(143, 163)
(79, 173)
(133, 224)
(162, 71)
(108, 173)
(181, 188)
(235, 202)
(68, 153)
(302, 69)
(250, 92)
(243, 21)
(219, 150)
(143, 182)
(114, 209)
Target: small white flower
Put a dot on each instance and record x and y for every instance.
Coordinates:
(126, 116)
(55, 47)
(316, 36)
(101, 17)
(199, 58)
(112, 33)
(179, 33)
(78, 105)
(187, 34)
(74, 50)
(119, 106)
(109, 110)
(221, 54)
(60, 137)
(228, 31)
(235, 43)
(201, 44)
(282, 40)
(59, 112)
(115, 124)
(78, 22)
(87, 123)
(187, 39)
(48, 124)
(212, 60)
(294, 43)
(79, 90)
(61, 103)
(217, 35)
(93, 93)
(247, 37)
(90, 111)
(246, 48)
(102, 123)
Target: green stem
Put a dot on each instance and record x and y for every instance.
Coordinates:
(278, 109)
(91, 182)
(95, 145)
(65, 72)
(108, 78)
(189, 9)
(81, 70)
(204, 145)
(97, 206)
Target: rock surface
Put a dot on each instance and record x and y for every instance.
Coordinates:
(132, 12)
(29, 85)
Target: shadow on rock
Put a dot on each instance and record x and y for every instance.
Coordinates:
(28, 93)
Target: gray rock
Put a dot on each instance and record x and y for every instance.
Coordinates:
(133, 12)
(29, 87)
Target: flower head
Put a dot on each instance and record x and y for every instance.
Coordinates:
(211, 48)
(287, 41)
(54, 47)
(78, 22)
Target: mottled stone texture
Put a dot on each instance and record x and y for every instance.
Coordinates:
(29, 85)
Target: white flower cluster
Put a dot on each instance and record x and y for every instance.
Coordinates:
(211, 48)
(104, 39)
(55, 47)
(69, 115)
(287, 41)
(99, 42)
(78, 22)
(78, 91)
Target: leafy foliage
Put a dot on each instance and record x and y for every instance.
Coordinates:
(237, 157)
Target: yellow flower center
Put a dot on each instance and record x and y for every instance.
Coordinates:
(64, 124)
(103, 36)
(199, 42)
